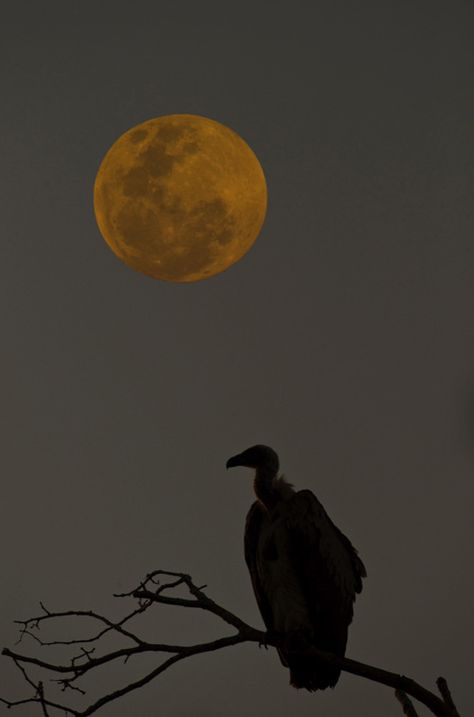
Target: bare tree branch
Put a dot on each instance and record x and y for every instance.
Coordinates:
(38, 697)
(446, 695)
(406, 703)
(33, 623)
(156, 589)
(42, 700)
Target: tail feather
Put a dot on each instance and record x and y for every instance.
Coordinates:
(310, 673)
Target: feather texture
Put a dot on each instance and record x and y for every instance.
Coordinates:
(305, 573)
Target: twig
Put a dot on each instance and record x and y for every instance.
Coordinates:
(446, 695)
(42, 700)
(34, 623)
(406, 703)
(153, 591)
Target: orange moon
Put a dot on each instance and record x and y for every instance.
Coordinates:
(180, 197)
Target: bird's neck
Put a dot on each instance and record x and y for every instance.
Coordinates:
(264, 486)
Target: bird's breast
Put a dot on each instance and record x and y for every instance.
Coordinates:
(279, 578)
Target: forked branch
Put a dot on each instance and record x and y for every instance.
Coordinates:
(162, 587)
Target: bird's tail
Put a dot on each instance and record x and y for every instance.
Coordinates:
(309, 673)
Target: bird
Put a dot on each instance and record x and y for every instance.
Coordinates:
(305, 573)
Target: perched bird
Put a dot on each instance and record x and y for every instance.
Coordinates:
(305, 573)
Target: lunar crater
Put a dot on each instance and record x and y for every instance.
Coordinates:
(180, 198)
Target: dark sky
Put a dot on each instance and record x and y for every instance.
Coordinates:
(344, 339)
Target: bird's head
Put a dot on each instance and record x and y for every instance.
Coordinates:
(258, 457)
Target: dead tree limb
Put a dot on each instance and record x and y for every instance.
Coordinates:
(446, 695)
(406, 703)
(159, 588)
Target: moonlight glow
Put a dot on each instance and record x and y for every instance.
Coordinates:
(180, 197)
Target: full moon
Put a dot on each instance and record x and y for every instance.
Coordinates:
(180, 197)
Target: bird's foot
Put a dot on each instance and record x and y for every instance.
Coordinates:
(270, 637)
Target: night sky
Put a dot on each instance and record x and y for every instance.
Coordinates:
(344, 339)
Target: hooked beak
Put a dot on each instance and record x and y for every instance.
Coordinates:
(234, 461)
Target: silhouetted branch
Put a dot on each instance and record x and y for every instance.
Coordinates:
(446, 695)
(406, 703)
(156, 589)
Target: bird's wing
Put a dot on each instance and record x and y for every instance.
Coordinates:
(358, 566)
(253, 525)
(329, 569)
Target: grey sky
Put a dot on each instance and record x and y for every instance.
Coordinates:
(344, 339)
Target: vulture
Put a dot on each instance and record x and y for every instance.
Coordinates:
(305, 573)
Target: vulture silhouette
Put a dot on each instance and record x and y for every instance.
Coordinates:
(305, 573)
